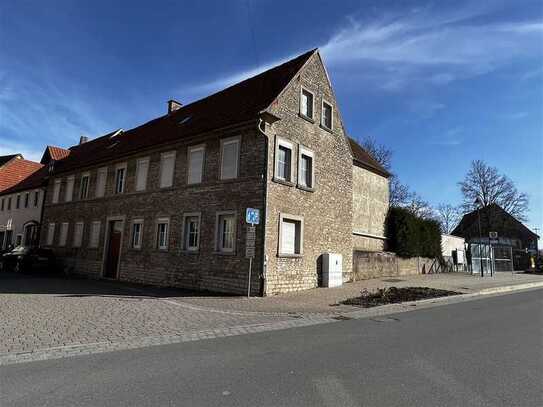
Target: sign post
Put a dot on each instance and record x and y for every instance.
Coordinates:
(252, 217)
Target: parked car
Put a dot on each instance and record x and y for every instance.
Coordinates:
(26, 259)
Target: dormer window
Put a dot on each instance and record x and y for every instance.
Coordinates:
(326, 119)
(306, 104)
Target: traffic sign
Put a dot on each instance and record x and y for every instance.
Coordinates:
(252, 216)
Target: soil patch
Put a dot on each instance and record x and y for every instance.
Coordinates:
(394, 295)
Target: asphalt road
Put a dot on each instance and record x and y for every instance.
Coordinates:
(487, 352)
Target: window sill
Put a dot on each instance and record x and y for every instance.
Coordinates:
(190, 251)
(304, 188)
(322, 126)
(291, 256)
(306, 118)
(225, 253)
(284, 182)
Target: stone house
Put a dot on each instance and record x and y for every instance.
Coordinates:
(164, 203)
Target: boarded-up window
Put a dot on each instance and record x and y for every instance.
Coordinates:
(291, 235)
(167, 167)
(56, 191)
(63, 234)
(78, 234)
(50, 234)
(69, 193)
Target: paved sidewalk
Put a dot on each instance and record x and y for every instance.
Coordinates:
(326, 300)
(42, 318)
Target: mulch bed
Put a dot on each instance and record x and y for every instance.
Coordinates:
(394, 295)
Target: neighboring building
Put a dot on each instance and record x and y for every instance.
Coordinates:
(4, 159)
(164, 203)
(511, 241)
(21, 197)
(20, 209)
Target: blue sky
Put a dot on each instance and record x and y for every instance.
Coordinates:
(441, 83)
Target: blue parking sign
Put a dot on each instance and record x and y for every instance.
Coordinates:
(252, 216)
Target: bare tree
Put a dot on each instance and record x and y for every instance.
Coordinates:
(419, 207)
(398, 192)
(448, 216)
(486, 184)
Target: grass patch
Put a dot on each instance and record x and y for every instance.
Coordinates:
(394, 295)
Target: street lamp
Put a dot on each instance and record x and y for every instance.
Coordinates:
(479, 203)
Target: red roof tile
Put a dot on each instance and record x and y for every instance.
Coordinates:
(54, 153)
(16, 171)
(237, 104)
(362, 158)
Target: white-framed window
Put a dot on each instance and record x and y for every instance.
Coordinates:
(78, 234)
(84, 186)
(307, 104)
(191, 231)
(101, 181)
(230, 158)
(327, 120)
(95, 234)
(162, 231)
(142, 170)
(69, 192)
(226, 232)
(120, 178)
(50, 234)
(306, 171)
(137, 234)
(56, 190)
(291, 232)
(283, 160)
(196, 157)
(63, 234)
(167, 169)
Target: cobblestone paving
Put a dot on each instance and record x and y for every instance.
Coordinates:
(40, 313)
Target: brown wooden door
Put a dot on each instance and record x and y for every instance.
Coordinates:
(113, 251)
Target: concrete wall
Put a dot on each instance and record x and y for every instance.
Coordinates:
(327, 210)
(370, 207)
(368, 265)
(205, 269)
(15, 219)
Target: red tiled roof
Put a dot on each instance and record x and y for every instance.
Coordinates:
(362, 158)
(16, 171)
(54, 153)
(237, 104)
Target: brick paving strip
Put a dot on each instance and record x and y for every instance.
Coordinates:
(186, 319)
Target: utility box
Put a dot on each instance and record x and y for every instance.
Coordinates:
(332, 270)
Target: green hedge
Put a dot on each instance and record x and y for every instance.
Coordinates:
(410, 236)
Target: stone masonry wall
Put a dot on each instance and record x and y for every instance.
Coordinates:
(370, 207)
(368, 265)
(205, 269)
(326, 211)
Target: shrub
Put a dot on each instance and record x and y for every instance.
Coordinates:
(411, 236)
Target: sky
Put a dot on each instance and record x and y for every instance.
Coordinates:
(440, 83)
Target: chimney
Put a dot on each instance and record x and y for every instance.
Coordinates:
(173, 105)
(83, 139)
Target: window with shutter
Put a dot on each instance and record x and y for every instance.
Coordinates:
(229, 158)
(69, 193)
(56, 191)
(78, 234)
(50, 234)
(95, 234)
(167, 167)
(63, 234)
(142, 169)
(290, 235)
(101, 181)
(196, 164)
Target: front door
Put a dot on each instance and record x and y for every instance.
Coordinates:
(113, 249)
